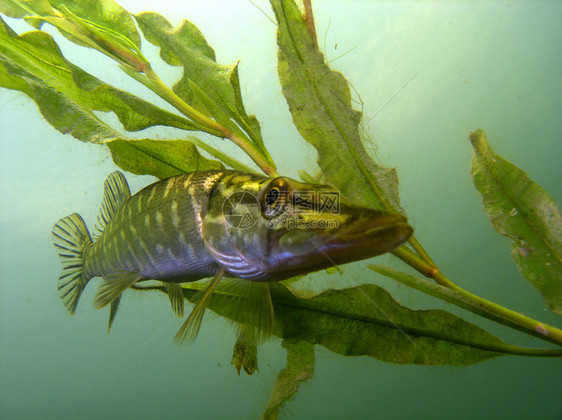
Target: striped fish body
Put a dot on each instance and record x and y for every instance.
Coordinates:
(215, 224)
(157, 233)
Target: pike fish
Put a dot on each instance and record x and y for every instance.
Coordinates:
(214, 224)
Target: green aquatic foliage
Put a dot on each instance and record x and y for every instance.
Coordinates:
(299, 368)
(245, 355)
(211, 88)
(472, 303)
(358, 321)
(104, 26)
(521, 210)
(362, 320)
(67, 97)
(159, 158)
(320, 102)
(366, 321)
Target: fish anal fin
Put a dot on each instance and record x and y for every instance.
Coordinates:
(113, 285)
(190, 328)
(175, 294)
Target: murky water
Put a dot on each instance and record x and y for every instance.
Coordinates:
(428, 73)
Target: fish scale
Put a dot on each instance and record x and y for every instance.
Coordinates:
(129, 243)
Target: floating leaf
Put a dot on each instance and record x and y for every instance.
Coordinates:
(521, 210)
(299, 368)
(320, 103)
(161, 158)
(211, 88)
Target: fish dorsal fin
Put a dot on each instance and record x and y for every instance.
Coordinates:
(115, 192)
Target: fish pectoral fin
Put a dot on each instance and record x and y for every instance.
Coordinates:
(190, 328)
(175, 294)
(113, 311)
(251, 301)
(113, 285)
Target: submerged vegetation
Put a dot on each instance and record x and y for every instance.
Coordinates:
(360, 320)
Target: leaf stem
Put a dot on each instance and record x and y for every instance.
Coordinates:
(450, 292)
(209, 125)
(421, 251)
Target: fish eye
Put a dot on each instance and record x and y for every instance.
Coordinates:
(275, 197)
(272, 196)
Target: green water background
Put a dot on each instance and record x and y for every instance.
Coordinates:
(494, 65)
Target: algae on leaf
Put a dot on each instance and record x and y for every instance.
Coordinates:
(299, 368)
(521, 210)
(245, 355)
(320, 102)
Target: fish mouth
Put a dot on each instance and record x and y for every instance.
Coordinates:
(368, 238)
(372, 226)
(363, 233)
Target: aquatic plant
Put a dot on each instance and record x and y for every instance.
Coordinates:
(208, 99)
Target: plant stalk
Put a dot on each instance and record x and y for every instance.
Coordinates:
(477, 304)
(211, 126)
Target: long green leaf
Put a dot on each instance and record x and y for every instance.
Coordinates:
(367, 321)
(33, 64)
(473, 304)
(320, 103)
(209, 87)
(521, 210)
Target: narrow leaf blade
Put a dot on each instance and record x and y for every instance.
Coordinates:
(160, 158)
(320, 102)
(521, 210)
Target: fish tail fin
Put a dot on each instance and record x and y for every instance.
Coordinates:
(71, 239)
